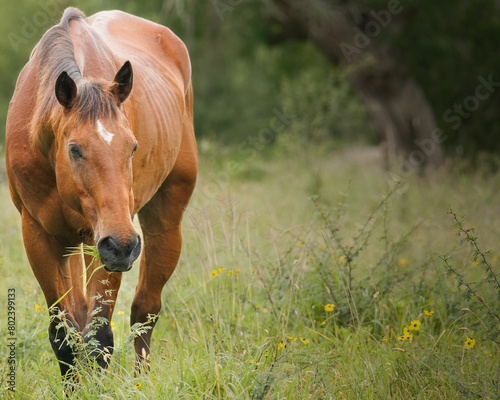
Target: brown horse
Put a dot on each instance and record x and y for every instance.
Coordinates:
(85, 152)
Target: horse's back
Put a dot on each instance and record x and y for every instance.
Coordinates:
(144, 41)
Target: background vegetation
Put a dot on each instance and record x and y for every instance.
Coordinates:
(303, 261)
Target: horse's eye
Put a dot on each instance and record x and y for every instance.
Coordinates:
(134, 149)
(75, 151)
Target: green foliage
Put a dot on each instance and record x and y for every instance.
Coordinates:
(324, 107)
(241, 79)
(448, 56)
(483, 294)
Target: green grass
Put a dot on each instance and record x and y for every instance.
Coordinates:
(268, 242)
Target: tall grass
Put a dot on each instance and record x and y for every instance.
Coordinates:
(297, 280)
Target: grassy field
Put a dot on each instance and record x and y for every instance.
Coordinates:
(298, 277)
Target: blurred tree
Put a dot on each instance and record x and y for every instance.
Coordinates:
(451, 48)
(409, 60)
(348, 33)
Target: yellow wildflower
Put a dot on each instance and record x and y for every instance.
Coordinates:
(329, 307)
(403, 262)
(469, 343)
(414, 325)
(232, 272)
(280, 345)
(406, 336)
(385, 339)
(303, 340)
(216, 272)
(428, 313)
(292, 338)
(38, 307)
(265, 310)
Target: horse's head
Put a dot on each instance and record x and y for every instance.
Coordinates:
(93, 162)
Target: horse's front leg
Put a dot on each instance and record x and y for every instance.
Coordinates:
(161, 226)
(102, 291)
(49, 262)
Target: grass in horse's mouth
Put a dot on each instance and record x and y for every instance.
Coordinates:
(87, 250)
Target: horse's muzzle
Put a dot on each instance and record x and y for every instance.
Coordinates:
(117, 255)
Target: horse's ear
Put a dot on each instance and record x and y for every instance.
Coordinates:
(123, 82)
(66, 90)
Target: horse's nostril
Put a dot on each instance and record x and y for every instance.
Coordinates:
(135, 242)
(134, 247)
(116, 252)
(108, 248)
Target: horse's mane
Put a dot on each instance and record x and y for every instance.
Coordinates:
(53, 55)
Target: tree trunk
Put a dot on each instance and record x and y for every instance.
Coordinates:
(399, 112)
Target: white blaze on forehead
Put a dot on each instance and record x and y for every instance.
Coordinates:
(106, 135)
